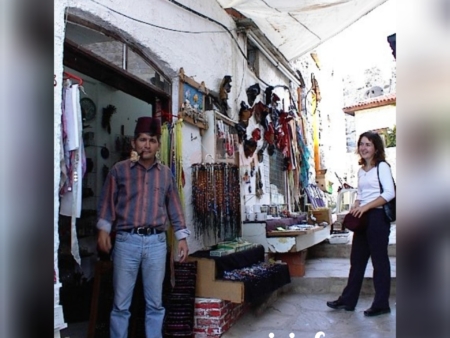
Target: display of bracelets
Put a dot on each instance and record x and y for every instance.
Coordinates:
(259, 270)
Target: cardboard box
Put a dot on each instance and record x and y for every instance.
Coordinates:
(322, 215)
(322, 182)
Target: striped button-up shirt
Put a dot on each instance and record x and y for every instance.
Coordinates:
(134, 196)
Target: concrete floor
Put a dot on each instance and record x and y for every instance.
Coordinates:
(299, 309)
(305, 315)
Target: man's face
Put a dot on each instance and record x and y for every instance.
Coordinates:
(146, 146)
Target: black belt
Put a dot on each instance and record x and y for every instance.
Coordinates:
(145, 231)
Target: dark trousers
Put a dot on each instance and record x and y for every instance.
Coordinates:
(373, 242)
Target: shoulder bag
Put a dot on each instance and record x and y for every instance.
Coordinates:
(389, 207)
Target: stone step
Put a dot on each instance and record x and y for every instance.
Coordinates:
(327, 250)
(329, 275)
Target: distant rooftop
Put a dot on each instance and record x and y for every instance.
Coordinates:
(374, 102)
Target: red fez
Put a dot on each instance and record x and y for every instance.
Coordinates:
(148, 125)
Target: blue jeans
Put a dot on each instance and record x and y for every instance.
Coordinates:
(131, 252)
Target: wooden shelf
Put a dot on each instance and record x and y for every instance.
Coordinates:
(190, 120)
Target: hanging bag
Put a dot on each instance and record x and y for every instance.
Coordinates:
(354, 223)
(389, 207)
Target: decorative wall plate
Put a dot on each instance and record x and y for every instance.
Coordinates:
(89, 108)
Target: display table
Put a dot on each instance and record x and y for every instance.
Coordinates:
(283, 241)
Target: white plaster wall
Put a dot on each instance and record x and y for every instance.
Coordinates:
(375, 118)
(206, 57)
(333, 137)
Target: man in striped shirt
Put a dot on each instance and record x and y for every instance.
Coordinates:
(138, 198)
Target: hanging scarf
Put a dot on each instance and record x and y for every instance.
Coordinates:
(165, 145)
(179, 172)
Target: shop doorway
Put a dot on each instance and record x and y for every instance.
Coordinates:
(119, 85)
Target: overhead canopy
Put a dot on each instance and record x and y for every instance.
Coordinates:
(297, 27)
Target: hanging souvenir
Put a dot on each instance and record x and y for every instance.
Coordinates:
(259, 185)
(229, 145)
(244, 114)
(249, 147)
(261, 152)
(256, 134)
(252, 92)
(106, 117)
(216, 200)
(260, 112)
(241, 131)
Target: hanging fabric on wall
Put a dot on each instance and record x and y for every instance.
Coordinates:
(75, 161)
(179, 176)
(304, 162)
(216, 200)
(165, 145)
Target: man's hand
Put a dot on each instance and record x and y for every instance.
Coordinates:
(104, 241)
(182, 250)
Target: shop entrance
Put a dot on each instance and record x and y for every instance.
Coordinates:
(119, 85)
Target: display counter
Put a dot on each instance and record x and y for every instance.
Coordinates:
(274, 241)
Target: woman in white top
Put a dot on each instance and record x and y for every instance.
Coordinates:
(372, 242)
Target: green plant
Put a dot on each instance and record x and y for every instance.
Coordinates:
(391, 137)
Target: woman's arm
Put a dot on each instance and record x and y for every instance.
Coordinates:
(388, 191)
(387, 182)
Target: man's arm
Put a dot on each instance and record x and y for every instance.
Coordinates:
(106, 213)
(183, 250)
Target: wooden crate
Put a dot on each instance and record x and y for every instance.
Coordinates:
(322, 215)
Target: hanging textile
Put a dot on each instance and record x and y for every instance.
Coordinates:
(179, 172)
(75, 161)
(216, 200)
(304, 162)
(164, 150)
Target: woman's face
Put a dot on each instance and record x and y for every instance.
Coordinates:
(366, 149)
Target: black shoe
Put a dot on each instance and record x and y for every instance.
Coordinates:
(376, 312)
(338, 305)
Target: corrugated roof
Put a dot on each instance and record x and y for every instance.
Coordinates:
(374, 102)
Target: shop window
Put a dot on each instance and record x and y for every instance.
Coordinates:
(112, 51)
(117, 53)
(252, 58)
(136, 65)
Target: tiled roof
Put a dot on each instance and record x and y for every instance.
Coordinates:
(374, 102)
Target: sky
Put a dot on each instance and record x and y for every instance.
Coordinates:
(364, 44)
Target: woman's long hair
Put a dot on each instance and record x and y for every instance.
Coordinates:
(375, 138)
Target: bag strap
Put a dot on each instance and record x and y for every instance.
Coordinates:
(378, 175)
